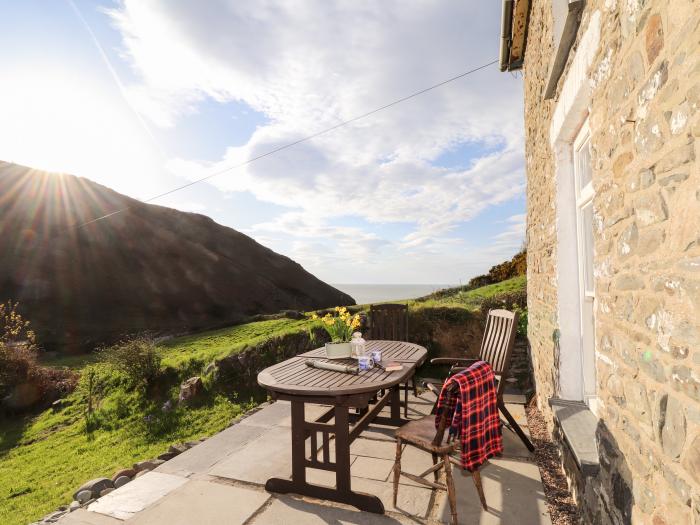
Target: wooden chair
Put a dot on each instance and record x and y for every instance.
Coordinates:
(390, 322)
(496, 349)
(421, 434)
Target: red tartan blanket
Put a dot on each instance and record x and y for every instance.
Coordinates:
(473, 414)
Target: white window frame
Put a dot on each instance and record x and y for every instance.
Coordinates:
(584, 198)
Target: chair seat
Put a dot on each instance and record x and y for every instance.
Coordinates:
(421, 433)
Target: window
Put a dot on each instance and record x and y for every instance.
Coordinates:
(570, 140)
(584, 232)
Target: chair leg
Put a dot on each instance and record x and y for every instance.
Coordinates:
(436, 474)
(397, 470)
(451, 496)
(415, 386)
(476, 476)
(514, 425)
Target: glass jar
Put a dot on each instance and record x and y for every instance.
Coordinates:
(357, 345)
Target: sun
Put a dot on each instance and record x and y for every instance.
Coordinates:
(55, 120)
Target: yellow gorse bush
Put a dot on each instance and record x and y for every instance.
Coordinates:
(340, 325)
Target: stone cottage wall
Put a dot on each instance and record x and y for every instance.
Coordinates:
(645, 126)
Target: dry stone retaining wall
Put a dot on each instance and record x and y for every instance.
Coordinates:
(645, 128)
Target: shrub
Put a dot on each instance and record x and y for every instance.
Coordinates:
(17, 348)
(522, 321)
(91, 388)
(500, 272)
(137, 358)
(23, 383)
(507, 301)
(513, 301)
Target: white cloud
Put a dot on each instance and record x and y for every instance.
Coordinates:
(309, 65)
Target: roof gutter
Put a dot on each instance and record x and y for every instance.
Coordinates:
(506, 26)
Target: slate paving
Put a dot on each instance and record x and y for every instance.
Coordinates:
(221, 481)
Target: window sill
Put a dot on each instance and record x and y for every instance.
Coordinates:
(578, 426)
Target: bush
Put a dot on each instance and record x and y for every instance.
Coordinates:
(137, 358)
(513, 301)
(500, 272)
(23, 383)
(91, 388)
(17, 348)
(522, 322)
(507, 301)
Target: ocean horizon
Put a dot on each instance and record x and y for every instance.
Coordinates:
(375, 293)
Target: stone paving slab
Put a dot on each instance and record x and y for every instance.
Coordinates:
(379, 433)
(373, 448)
(514, 495)
(412, 501)
(414, 461)
(136, 495)
(278, 414)
(202, 457)
(203, 503)
(513, 447)
(267, 456)
(372, 468)
(85, 517)
(286, 510)
(221, 481)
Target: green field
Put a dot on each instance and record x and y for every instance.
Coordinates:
(45, 457)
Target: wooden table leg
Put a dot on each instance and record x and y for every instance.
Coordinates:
(342, 492)
(396, 404)
(394, 419)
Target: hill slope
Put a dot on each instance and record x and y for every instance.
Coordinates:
(148, 268)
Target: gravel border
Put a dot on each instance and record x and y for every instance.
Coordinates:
(562, 509)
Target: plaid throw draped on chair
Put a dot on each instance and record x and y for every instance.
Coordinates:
(474, 414)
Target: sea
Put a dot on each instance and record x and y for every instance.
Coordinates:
(377, 293)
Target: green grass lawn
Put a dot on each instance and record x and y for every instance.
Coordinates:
(45, 457)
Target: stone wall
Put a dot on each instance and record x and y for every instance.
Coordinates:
(541, 211)
(645, 125)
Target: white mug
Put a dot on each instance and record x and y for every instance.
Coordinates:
(365, 362)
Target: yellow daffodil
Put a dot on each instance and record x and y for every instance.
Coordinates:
(339, 323)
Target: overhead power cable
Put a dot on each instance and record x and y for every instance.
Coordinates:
(299, 141)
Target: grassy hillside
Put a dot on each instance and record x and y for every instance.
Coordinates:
(45, 457)
(204, 348)
(472, 299)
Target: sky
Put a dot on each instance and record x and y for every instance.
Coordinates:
(144, 97)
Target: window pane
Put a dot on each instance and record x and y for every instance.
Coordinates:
(583, 165)
(587, 246)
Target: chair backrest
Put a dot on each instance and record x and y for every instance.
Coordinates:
(498, 341)
(452, 390)
(389, 321)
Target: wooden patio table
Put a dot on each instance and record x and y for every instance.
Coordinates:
(293, 381)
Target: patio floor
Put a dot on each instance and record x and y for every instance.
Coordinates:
(221, 481)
